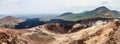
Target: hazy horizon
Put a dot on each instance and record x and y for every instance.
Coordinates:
(16, 7)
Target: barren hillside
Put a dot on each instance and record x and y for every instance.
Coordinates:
(101, 33)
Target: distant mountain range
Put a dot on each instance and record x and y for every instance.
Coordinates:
(101, 12)
(65, 18)
(67, 13)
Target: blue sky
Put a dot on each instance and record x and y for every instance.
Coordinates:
(54, 6)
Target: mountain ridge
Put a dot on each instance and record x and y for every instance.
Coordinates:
(10, 21)
(102, 12)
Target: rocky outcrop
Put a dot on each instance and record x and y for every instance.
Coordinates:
(93, 21)
(11, 36)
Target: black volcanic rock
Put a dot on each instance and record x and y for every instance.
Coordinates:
(60, 21)
(29, 23)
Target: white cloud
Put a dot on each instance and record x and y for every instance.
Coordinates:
(53, 6)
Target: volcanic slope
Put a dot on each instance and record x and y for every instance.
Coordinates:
(104, 33)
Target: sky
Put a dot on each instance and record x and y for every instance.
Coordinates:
(15, 7)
